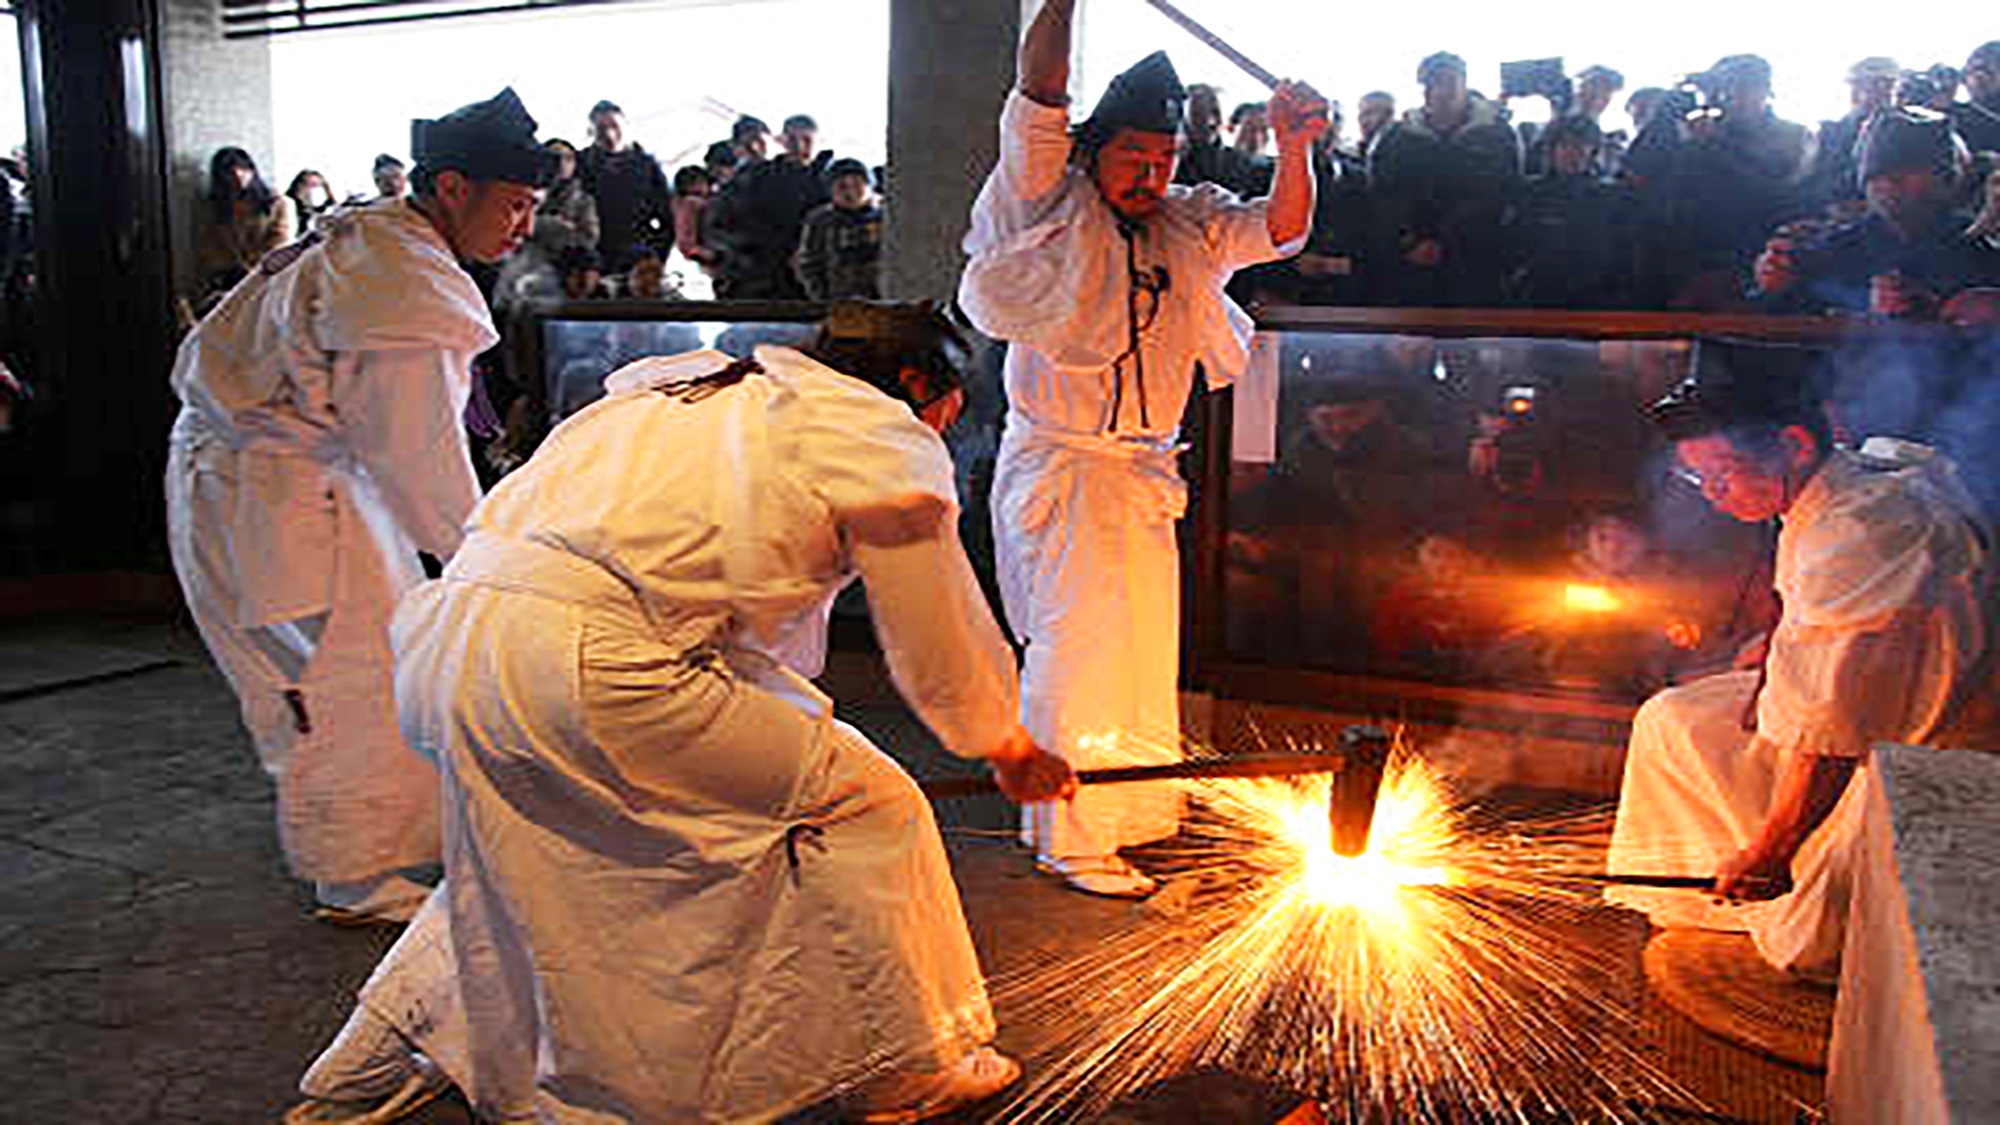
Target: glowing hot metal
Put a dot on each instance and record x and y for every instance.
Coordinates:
(1590, 599)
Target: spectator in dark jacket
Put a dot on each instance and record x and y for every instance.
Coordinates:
(1444, 177)
(1572, 228)
(750, 140)
(1331, 270)
(1908, 255)
(1836, 181)
(633, 202)
(1714, 181)
(1207, 160)
(1372, 115)
(755, 222)
(1977, 119)
(582, 275)
(720, 164)
(840, 248)
(392, 179)
(1251, 122)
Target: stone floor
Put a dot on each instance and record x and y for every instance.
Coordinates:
(158, 965)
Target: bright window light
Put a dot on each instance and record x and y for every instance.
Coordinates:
(682, 74)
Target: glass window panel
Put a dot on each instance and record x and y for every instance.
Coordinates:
(1483, 512)
(578, 354)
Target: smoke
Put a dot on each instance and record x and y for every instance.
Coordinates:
(1937, 387)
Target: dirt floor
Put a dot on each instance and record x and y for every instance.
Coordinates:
(157, 964)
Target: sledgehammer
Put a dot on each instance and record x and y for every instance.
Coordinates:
(1350, 811)
(1357, 769)
(1255, 765)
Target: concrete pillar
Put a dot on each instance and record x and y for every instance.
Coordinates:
(217, 92)
(950, 65)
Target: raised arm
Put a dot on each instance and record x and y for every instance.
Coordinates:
(1043, 64)
(1298, 116)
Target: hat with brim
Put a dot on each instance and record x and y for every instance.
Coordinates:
(489, 140)
(1738, 383)
(1149, 98)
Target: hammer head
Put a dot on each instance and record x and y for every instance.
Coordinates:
(1350, 811)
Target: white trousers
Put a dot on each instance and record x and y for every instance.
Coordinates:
(354, 803)
(1090, 575)
(1697, 789)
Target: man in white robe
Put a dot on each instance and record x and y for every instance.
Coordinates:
(677, 888)
(1758, 776)
(1107, 279)
(319, 448)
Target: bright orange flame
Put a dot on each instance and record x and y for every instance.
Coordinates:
(1413, 824)
(1589, 599)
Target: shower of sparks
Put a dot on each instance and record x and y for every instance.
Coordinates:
(1445, 975)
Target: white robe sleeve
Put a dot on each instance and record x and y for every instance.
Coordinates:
(945, 651)
(1034, 151)
(1039, 238)
(1835, 692)
(886, 478)
(400, 411)
(1237, 230)
(1881, 621)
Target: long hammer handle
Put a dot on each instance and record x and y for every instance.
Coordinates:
(1260, 765)
(1674, 882)
(1218, 43)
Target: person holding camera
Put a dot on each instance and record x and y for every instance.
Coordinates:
(1586, 97)
(1908, 256)
(1717, 169)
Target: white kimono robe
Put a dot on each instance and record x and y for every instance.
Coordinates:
(677, 888)
(1882, 568)
(318, 449)
(1086, 492)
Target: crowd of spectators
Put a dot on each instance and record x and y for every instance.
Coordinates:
(746, 223)
(1711, 203)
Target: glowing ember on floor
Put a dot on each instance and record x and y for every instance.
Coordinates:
(1441, 975)
(1589, 599)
